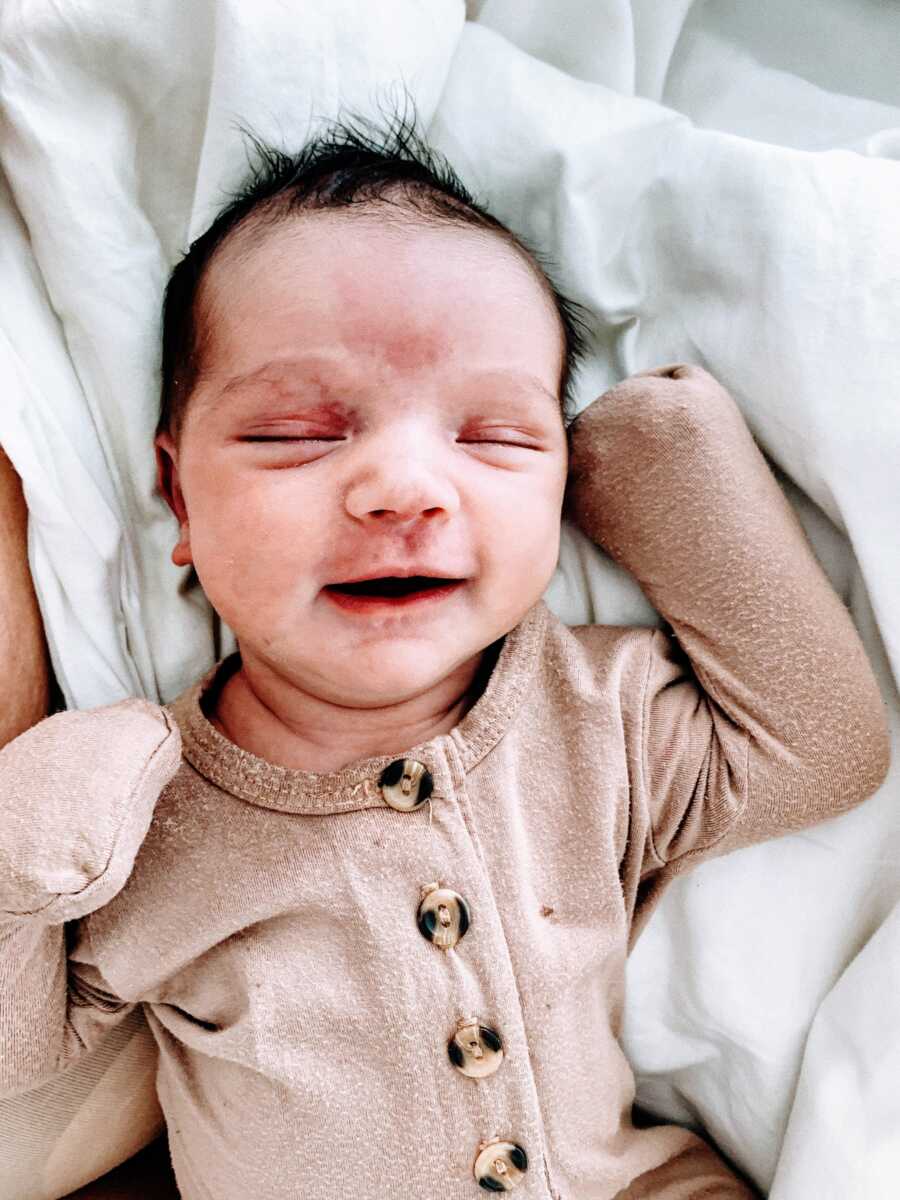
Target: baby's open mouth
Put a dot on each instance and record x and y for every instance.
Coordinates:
(390, 585)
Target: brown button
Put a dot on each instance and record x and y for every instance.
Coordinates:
(475, 1050)
(406, 784)
(499, 1167)
(443, 916)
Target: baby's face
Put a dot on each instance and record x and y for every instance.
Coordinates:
(371, 396)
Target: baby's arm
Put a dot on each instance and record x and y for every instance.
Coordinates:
(77, 793)
(762, 715)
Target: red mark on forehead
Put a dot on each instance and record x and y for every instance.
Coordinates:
(386, 326)
(402, 349)
(289, 381)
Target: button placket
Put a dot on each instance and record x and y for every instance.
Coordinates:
(443, 919)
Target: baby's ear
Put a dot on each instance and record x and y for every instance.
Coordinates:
(170, 489)
(167, 473)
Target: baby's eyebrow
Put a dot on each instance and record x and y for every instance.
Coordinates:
(284, 369)
(523, 381)
(279, 373)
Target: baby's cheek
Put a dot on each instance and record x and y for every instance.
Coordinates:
(526, 553)
(249, 555)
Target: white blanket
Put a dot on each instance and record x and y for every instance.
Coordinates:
(717, 183)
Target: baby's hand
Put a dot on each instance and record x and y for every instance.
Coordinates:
(663, 409)
(77, 793)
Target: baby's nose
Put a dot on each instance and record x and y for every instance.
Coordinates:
(402, 490)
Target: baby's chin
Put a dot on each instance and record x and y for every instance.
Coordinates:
(357, 663)
(405, 678)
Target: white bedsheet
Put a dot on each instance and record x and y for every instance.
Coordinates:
(718, 183)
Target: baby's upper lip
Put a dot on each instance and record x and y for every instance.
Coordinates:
(401, 571)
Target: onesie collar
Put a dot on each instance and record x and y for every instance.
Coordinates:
(354, 786)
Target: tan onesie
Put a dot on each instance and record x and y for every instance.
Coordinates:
(406, 977)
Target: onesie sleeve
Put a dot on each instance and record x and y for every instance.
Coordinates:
(759, 712)
(77, 794)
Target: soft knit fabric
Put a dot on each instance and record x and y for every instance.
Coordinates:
(266, 917)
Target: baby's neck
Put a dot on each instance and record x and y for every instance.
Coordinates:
(290, 728)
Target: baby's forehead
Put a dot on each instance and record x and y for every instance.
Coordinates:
(407, 297)
(356, 241)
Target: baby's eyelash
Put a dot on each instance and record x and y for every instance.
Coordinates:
(464, 442)
(497, 442)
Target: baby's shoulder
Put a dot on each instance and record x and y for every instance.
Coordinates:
(589, 660)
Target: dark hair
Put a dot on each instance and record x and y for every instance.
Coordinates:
(352, 163)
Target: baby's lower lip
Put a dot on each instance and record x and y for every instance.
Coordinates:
(372, 605)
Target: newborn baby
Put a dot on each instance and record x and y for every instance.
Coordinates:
(374, 877)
